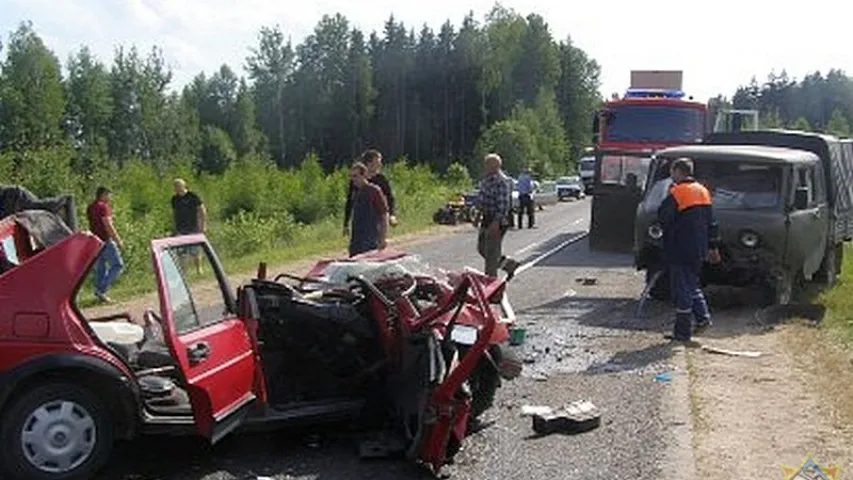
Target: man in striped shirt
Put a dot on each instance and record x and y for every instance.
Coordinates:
(495, 200)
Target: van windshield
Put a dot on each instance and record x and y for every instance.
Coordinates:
(733, 185)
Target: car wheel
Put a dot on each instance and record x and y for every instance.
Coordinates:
(828, 272)
(56, 431)
(484, 381)
(781, 290)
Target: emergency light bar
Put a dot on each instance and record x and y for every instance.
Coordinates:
(653, 93)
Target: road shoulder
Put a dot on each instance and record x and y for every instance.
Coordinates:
(754, 415)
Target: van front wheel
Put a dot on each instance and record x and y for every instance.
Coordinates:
(828, 273)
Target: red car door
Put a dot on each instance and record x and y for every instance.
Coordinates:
(204, 333)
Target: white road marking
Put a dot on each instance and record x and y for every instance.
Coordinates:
(538, 244)
(529, 247)
(554, 250)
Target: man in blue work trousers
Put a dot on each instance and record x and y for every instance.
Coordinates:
(525, 198)
(690, 237)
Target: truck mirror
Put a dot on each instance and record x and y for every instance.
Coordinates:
(595, 125)
(801, 198)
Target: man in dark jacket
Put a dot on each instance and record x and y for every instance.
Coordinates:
(369, 214)
(690, 237)
(372, 159)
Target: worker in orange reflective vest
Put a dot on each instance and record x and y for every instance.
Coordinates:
(689, 238)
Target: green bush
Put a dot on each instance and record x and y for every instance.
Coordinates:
(254, 208)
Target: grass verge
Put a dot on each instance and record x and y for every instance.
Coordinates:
(838, 323)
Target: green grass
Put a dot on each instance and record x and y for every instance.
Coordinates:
(839, 303)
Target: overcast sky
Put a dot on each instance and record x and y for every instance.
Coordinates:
(718, 44)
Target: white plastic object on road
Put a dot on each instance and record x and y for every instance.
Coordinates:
(530, 410)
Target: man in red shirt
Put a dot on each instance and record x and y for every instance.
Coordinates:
(109, 264)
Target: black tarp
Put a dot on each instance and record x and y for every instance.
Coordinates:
(44, 227)
(15, 198)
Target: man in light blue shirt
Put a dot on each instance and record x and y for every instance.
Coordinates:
(524, 185)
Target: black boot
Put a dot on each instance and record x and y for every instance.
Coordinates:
(683, 327)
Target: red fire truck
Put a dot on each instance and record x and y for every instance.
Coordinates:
(653, 114)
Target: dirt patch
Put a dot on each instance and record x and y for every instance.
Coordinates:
(208, 293)
(753, 415)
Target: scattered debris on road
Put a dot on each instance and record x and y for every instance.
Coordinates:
(576, 417)
(587, 281)
(663, 377)
(733, 353)
(531, 410)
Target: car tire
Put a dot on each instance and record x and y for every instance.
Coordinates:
(486, 379)
(782, 290)
(72, 417)
(830, 266)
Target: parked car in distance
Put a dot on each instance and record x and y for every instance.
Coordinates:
(570, 187)
(587, 169)
(544, 193)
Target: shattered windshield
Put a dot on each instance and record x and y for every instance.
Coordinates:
(338, 272)
(733, 185)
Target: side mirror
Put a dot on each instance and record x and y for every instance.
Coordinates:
(801, 198)
(595, 127)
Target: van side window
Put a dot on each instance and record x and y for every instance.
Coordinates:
(817, 175)
(804, 179)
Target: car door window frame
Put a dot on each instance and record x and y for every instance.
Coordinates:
(227, 302)
(819, 193)
(803, 178)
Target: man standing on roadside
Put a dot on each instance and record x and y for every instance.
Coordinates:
(369, 213)
(525, 198)
(690, 237)
(190, 216)
(495, 201)
(372, 159)
(109, 264)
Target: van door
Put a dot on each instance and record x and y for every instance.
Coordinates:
(807, 234)
(620, 180)
(209, 341)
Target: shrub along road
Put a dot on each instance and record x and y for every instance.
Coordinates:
(582, 344)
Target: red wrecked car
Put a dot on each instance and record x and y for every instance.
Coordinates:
(359, 340)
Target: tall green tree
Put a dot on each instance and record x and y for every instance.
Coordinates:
(33, 96)
(271, 66)
(89, 110)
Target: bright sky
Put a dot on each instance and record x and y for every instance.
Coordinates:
(719, 44)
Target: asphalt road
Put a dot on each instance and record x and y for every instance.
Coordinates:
(582, 343)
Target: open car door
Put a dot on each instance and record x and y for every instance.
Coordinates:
(209, 341)
(620, 179)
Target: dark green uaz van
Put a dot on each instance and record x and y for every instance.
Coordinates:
(781, 203)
